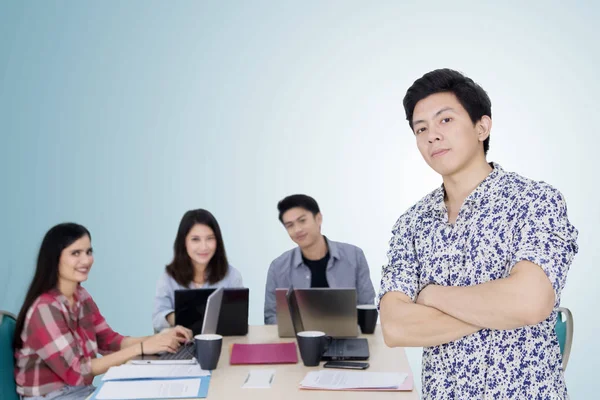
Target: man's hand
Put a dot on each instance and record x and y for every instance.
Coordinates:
(424, 297)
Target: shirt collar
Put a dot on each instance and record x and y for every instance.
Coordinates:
(297, 254)
(62, 299)
(481, 193)
(486, 188)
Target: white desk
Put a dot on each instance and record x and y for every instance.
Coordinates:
(226, 380)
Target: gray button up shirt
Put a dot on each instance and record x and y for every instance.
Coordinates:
(347, 268)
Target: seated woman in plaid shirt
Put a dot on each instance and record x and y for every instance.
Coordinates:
(60, 329)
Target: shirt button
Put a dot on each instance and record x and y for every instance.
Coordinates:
(307, 276)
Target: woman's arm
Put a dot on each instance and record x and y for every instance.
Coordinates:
(102, 364)
(130, 341)
(168, 340)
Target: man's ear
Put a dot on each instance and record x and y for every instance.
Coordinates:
(484, 127)
(319, 218)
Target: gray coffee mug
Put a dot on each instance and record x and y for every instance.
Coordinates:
(312, 344)
(367, 318)
(208, 350)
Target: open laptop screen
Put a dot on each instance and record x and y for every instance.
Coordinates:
(190, 305)
(294, 310)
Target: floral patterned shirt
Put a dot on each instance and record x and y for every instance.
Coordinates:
(506, 219)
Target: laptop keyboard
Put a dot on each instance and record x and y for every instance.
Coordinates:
(336, 347)
(343, 348)
(185, 352)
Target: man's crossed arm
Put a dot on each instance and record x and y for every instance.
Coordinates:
(442, 314)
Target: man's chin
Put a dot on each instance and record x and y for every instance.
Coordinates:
(444, 169)
(302, 243)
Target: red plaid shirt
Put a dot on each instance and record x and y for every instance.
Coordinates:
(59, 343)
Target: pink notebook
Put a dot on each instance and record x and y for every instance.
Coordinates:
(272, 353)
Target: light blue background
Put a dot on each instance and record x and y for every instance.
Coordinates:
(123, 115)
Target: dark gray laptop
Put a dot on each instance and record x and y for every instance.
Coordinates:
(190, 306)
(338, 349)
(330, 310)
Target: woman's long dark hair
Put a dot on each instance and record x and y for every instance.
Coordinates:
(181, 268)
(45, 279)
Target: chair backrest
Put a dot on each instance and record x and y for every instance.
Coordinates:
(7, 361)
(564, 333)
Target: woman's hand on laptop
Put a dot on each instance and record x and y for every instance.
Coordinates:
(169, 340)
(182, 334)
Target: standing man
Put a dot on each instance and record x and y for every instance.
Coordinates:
(476, 268)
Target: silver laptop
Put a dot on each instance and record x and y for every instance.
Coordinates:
(211, 315)
(209, 326)
(284, 320)
(332, 311)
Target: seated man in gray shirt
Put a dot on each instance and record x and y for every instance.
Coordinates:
(317, 261)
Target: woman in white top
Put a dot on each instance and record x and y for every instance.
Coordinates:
(199, 261)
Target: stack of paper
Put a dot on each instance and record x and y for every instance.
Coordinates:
(356, 380)
(129, 371)
(152, 389)
(152, 382)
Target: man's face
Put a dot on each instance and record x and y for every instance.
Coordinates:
(446, 137)
(303, 227)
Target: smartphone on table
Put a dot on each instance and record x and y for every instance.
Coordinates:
(346, 365)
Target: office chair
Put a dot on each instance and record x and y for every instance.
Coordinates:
(564, 333)
(8, 387)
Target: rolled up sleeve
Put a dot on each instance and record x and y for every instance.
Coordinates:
(108, 340)
(401, 274)
(545, 236)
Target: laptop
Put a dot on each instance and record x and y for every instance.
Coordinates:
(338, 349)
(285, 328)
(209, 326)
(190, 306)
(323, 309)
(212, 312)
